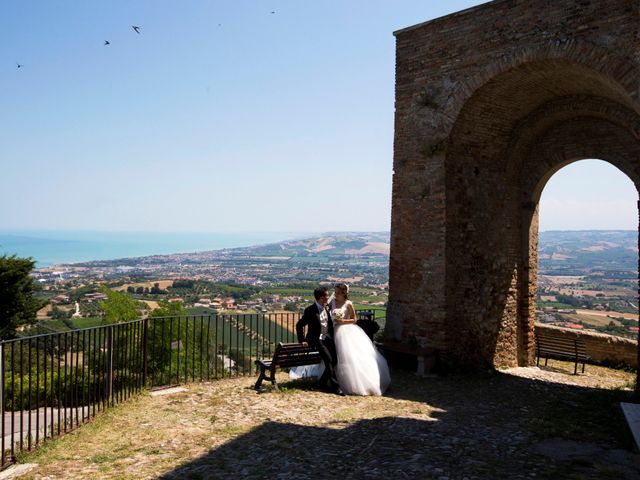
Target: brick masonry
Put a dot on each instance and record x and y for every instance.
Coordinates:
(490, 102)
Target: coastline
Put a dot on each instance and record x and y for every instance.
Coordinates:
(51, 248)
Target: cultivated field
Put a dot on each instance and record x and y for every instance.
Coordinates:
(163, 284)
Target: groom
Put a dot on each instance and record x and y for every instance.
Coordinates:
(320, 335)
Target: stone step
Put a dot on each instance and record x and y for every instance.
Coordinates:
(632, 414)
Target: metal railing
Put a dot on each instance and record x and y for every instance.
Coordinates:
(52, 383)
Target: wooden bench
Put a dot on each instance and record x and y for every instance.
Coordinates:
(561, 348)
(286, 355)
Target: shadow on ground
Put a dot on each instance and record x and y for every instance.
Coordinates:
(488, 426)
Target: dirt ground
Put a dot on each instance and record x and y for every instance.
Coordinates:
(521, 423)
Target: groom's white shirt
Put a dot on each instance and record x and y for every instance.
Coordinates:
(324, 321)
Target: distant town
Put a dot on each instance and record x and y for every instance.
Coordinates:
(587, 280)
(270, 278)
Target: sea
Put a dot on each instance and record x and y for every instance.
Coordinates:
(56, 247)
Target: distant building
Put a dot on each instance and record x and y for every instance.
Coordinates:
(92, 297)
(273, 298)
(575, 326)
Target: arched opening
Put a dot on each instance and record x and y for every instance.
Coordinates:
(587, 257)
(509, 138)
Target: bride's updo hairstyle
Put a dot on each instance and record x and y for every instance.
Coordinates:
(343, 288)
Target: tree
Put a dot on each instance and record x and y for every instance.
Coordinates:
(59, 314)
(183, 284)
(290, 307)
(168, 309)
(18, 304)
(118, 307)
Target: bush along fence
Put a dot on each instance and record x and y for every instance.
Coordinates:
(53, 383)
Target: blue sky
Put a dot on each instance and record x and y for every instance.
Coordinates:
(218, 116)
(589, 195)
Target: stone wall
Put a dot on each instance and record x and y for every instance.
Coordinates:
(490, 102)
(600, 347)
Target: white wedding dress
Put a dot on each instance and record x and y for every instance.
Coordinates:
(361, 369)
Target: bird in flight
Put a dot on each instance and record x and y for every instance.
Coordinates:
(18, 65)
(137, 29)
(272, 12)
(107, 42)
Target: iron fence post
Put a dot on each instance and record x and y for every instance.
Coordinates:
(109, 384)
(2, 382)
(2, 446)
(145, 338)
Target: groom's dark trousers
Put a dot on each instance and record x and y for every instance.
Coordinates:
(326, 347)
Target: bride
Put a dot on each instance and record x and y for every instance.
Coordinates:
(361, 369)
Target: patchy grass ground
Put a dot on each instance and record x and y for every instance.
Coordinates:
(521, 423)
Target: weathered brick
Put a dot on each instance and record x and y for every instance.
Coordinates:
(490, 102)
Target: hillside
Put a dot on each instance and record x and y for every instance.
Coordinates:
(330, 244)
(610, 252)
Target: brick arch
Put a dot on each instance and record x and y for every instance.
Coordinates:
(531, 138)
(618, 72)
(560, 145)
(576, 139)
(489, 102)
(521, 96)
(489, 164)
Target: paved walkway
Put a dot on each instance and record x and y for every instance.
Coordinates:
(41, 420)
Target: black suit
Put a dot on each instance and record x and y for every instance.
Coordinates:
(311, 319)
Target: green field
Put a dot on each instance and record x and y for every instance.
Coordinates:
(590, 320)
(86, 322)
(555, 305)
(289, 290)
(379, 311)
(51, 326)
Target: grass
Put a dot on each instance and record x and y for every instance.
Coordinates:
(54, 325)
(86, 322)
(345, 414)
(556, 305)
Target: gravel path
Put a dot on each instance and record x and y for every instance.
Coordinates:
(519, 424)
